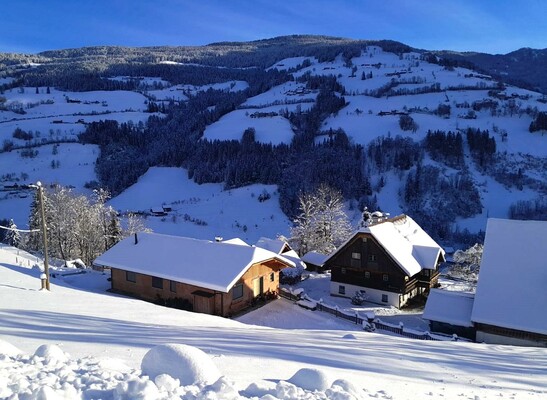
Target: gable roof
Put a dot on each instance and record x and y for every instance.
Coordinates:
(513, 276)
(449, 307)
(211, 265)
(405, 241)
(281, 247)
(276, 245)
(238, 241)
(315, 258)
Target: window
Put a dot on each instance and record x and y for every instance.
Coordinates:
(157, 282)
(173, 286)
(356, 256)
(341, 289)
(385, 277)
(372, 257)
(343, 270)
(272, 277)
(384, 298)
(367, 274)
(130, 276)
(237, 291)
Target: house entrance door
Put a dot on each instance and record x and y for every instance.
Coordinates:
(258, 286)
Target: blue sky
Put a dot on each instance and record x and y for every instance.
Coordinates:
(492, 26)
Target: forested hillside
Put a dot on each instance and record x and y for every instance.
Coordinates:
(389, 126)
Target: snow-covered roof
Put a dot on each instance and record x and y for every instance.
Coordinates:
(207, 264)
(511, 288)
(406, 242)
(275, 245)
(279, 246)
(238, 241)
(314, 258)
(449, 307)
(295, 258)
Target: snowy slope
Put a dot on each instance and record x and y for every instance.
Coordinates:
(226, 213)
(87, 322)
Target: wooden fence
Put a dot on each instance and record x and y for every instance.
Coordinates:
(367, 323)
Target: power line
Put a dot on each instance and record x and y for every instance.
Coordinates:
(19, 230)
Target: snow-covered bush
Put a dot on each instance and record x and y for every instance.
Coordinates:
(467, 263)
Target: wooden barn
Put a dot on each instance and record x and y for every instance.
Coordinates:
(511, 294)
(212, 277)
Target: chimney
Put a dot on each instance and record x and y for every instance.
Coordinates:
(136, 238)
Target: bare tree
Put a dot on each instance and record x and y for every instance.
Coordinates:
(135, 224)
(78, 227)
(322, 224)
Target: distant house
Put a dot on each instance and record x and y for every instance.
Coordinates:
(281, 247)
(391, 261)
(314, 261)
(158, 212)
(450, 312)
(213, 277)
(511, 294)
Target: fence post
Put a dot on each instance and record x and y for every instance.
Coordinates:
(401, 327)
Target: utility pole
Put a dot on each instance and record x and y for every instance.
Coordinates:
(44, 231)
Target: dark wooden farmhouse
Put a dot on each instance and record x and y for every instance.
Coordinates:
(390, 261)
(216, 278)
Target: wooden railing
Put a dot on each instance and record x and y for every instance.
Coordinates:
(368, 324)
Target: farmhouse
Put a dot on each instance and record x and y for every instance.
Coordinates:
(510, 300)
(391, 261)
(216, 278)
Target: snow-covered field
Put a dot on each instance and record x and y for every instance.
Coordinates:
(204, 211)
(79, 341)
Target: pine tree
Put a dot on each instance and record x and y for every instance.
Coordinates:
(114, 232)
(13, 237)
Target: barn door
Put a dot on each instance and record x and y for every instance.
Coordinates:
(258, 286)
(203, 305)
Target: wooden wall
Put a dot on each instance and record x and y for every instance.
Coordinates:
(218, 303)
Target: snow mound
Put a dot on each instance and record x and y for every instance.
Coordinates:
(310, 379)
(349, 336)
(51, 354)
(188, 364)
(166, 383)
(221, 389)
(137, 389)
(347, 387)
(7, 349)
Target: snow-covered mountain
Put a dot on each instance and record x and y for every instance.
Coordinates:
(391, 127)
